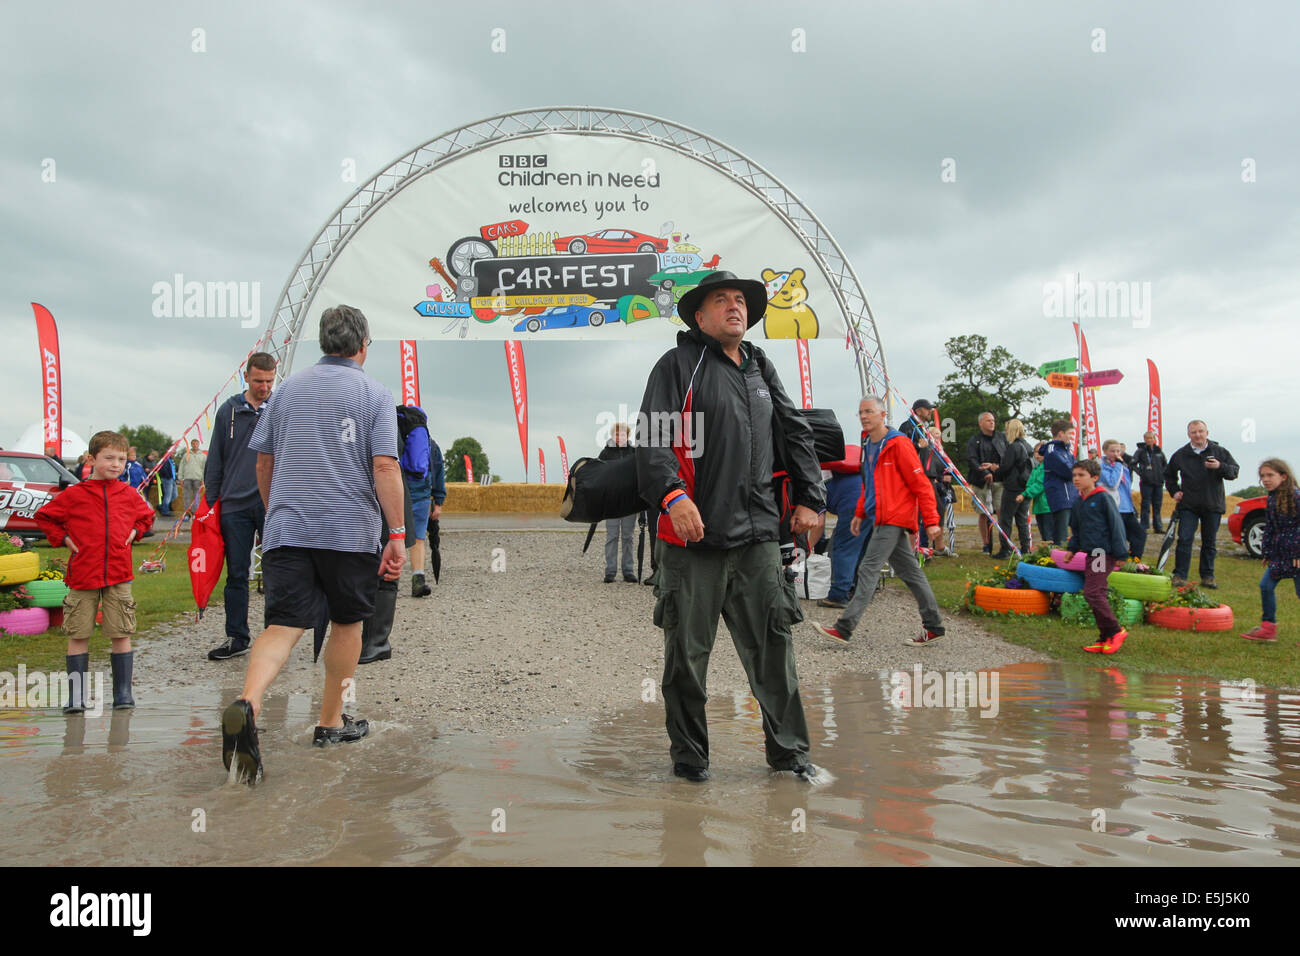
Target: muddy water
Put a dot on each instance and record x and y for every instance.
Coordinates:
(1079, 766)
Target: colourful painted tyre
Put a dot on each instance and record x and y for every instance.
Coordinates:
(1141, 587)
(1192, 618)
(1133, 612)
(25, 620)
(1050, 579)
(1073, 606)
(1011, 600)
(1076, 563)
(19, 568)
(48, 593)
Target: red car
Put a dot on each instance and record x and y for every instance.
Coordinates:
(1246, 525)
(27, 483)
(610, 240)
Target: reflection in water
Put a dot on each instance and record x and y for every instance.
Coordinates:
(1079, 766)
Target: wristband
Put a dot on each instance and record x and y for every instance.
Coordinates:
(398, 532)
(672, 497)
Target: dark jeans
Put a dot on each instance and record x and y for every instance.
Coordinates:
(238, 531)
(1151, 495)
(1045, 526)
(1058, 524)
(1268, 595)
(1137, 538)
(846, 551)
(1017, 514)
(1187, 524)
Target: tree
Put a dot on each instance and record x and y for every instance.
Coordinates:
(146, 438)
(455, 459)
(991, 381)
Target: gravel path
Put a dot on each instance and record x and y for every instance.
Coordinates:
(545, 641)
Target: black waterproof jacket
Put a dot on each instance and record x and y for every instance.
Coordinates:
(1150, 464)
(1017, 464)
(1202, 487)
(979, 449)
(231, 472)
(708, 427)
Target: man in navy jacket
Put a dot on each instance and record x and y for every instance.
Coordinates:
(1194, 478)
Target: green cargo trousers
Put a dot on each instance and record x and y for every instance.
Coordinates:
(747, 587)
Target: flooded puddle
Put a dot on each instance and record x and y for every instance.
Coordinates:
(1079, 766)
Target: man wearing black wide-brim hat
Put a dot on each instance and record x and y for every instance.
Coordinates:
(714, 409)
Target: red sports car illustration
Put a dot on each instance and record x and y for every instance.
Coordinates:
(610, 240)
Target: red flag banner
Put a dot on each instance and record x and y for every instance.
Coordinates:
(1153, 402)
(47, 340)
(1074, 420)
(1090, 426)
(519, 391)
(541, 466)
(805, 372)
(410, 372)
(564, 461)
(469, 470)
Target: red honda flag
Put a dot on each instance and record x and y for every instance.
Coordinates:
(519, 391)
(541, 465)
(805, 371)
(469, 470)
(1153, 401)
(47, 340)
(410, 372)
(1074, 420)
(564, 461)
(1090, 427)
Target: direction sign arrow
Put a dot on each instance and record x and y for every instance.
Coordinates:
(1060, 365)
(1109, 376)
(431, 307)
(1059, 380)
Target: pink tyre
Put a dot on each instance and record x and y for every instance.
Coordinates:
(25, 620)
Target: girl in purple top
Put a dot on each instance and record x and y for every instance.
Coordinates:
(1281, 545)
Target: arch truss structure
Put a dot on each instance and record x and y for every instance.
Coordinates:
(296, 298)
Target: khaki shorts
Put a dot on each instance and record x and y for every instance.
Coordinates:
(119, 612)
(991, 495)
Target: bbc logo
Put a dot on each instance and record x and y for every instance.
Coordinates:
(507, 161)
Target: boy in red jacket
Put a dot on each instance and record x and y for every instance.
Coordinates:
(894, 489)
(98, 519)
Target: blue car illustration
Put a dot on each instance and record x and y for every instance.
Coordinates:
(568, 317)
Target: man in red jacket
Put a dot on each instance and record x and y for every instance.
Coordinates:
(98, 519)
(894, 487)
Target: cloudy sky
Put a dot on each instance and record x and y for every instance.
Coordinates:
(1171, 158)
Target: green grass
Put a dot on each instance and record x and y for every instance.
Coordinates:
(1221, 654)
(159, 598)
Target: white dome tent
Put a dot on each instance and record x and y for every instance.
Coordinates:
(33, 441)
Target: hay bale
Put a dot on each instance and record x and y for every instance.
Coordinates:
(504, 498)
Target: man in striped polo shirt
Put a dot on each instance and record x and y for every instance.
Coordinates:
(326, 465)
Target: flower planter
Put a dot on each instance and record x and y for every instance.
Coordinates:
(1076, 563)
(1130, 615)
(49, 593)
(1050, 579)
(19, 568)
(1141, 587)
(1011, 600)
(1192, 618)
(25, 620)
